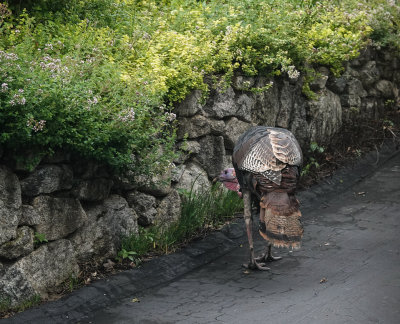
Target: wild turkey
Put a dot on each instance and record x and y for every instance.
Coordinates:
(267, 163)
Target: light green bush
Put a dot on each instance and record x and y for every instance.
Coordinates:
(100, 77)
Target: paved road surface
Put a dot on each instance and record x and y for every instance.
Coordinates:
(347, 271)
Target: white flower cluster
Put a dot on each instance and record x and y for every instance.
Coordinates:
(17, 99)
(128, 116)
(8, 56)
(170, 117)
(35, 125)
(4, 87)
(291, 71)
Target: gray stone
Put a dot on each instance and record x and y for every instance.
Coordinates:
(211, 155)
(221, 103)
(245, 104)
(224, 103)
(350, 101)
(158, 185)
(125, 182)
(29, 216)
(233, 129)
(90, 170)
(93, 242)
(370, 108)
(355, 88)
(326, 115)
(144, 205)
(39, 272)
(369, 74)
(241, 82)
(47, 179)
(119, 218)
(337, 85)
(320, 81)
(21, 245)
(177, 172)
(193, 127)
(386, 89)
(191, 105)
(267, 105)
(287, 96)
(190, 147)
(15, 287)
(58, 216)
(169, 209)
(194, 178)
(100, 237)
(299, 124)
(216, 126)
(10, 204)
(93, 189)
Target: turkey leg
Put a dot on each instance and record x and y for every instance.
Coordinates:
(267, 255)
(253, 264)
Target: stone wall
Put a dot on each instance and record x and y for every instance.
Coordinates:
(82, 210)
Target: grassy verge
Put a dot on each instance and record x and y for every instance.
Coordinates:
(7, 310)
(201, 212)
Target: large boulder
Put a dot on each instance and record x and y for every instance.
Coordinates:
(267, 104)
(212, 154)
(119, 217)
(169, 209)
(191, 105)
(194, 178)
(224, 103)
(39, 272)
(100, 237)
(144, 206)
(10, 204)
(93, 189)
(326, 115)
(94, 241)
(29, 216)
(47, 179)
(59, 217)
(20, 246)
(233, 129)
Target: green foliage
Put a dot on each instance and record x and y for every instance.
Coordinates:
(39, 238)
(99, 78)
(124, 254)
(200, 211)
(6, 308)
(313, 156)
(73, 282)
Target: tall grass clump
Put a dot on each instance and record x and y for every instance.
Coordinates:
(201, 211)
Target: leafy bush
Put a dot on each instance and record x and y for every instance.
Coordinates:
(100, 77)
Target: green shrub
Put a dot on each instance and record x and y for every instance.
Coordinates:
(100, 77)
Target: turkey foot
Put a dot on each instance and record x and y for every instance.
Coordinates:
(267, 256)
(256, 266)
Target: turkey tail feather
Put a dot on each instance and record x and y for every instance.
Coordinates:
(282, 220)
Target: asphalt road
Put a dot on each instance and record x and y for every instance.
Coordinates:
(347, 271)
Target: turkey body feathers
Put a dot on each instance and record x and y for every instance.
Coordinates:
(267, 162)
(266, 150)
